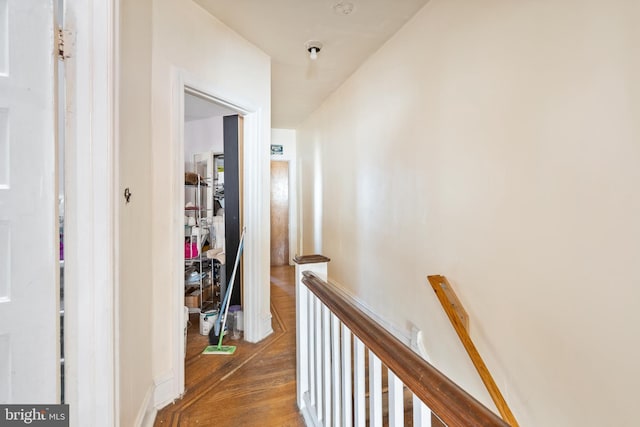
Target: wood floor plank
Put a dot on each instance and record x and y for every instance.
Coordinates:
(253, 387)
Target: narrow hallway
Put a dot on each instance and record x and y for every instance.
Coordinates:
(256, 386)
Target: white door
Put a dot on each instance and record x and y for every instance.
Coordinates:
(29, 319)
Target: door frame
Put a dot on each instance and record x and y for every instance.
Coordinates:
(91, 198)
(287, 138)
(256, 325)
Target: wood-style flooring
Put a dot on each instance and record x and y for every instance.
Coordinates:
(256, 386)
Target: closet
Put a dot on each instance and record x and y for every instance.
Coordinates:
(211, 202)
(204, 255)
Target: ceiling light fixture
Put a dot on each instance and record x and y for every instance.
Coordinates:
(313, 47)
(343, 8)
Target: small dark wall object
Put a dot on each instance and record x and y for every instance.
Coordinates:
(127, 195)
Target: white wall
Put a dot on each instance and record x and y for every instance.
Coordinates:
(201, 136)
(496, 143)
(135, 287)
(135, 244)
(287, 138)
(189, 43)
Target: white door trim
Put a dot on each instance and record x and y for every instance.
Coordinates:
(90, 186)
(257, 324)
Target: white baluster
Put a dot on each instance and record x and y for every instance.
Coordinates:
(335, 365)
(311, 335)
(375, 390)
(358, 382)
(421, 413)
(318, 369)
(396, 403)
(326, 365)
(309, 328)
(347, 412)
(302, 343)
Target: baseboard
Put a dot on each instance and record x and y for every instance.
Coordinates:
(149, 418)
(308, 413)
(308, 417)
(265, 326)
(147, 413)
(164, 391)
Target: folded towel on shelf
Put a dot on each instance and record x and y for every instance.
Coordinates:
(211, 253)
(216, 254)
(221, 258)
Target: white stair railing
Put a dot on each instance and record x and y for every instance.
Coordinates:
(336, 342)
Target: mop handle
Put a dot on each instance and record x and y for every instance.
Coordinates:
(227, 293)
(230, 287)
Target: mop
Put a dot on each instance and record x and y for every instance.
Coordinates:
(221, 322)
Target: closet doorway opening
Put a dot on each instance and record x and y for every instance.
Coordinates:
(252, 164)
(212, 136)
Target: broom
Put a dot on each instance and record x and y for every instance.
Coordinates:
(221, 321)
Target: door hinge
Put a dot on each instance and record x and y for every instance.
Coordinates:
(62, 48)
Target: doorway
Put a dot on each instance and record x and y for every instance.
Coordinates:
(211, 207)
(254, 164)
(205, 234)
(279, 213)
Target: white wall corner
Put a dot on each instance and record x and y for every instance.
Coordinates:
(147, 413)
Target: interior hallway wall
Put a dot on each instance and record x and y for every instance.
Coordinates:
(135, 284)
(188, 40)
(496, 143)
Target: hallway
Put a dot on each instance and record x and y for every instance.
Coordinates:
(256, 386)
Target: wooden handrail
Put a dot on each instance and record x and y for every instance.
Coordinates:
(453, 307)
(453, 405)
(310, 259)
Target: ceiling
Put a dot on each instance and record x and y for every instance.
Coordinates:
(282, 27)
(198, 108)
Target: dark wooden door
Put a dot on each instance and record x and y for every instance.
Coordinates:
(232, 162)
(279, 213)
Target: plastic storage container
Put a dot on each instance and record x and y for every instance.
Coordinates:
(234, 320)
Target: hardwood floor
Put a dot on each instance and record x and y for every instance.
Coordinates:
(256, 386)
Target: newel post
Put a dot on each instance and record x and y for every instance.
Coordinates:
(318, 265)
